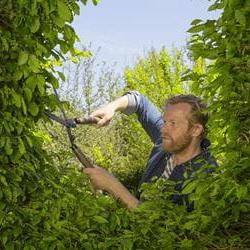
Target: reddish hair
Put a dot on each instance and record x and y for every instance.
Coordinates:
(197, 114)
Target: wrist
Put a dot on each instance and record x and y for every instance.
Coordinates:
(117, 190)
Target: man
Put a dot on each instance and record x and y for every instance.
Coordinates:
(178, 137)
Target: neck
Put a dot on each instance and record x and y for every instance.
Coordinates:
(186, 154)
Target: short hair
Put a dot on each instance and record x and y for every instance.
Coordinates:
(198, 109)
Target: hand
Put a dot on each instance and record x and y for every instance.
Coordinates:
(101, 179)
(104, 115)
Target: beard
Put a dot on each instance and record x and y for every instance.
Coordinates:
(175, 146)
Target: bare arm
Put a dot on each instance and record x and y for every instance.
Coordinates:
(105, 114)
(103, 180)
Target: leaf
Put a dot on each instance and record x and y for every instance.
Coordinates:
(63, 11)
(33, 109)
(81, 53)
(189, 188)
(40, 84)
(7, 193)
(2, 142)
(35, 25)
(84, 1)
(216, 6)
(34, 64)
(100, 219)
(4, 240)
(31, 83)
(29, 141)
(197, 28)
(76, 8)
(196, 21)
(3, 180)
(21, 146)
(69, 32)
(242, 192)
(27, 94)
(24, 107)
(18, 75)
(17, 99)
(240, 17)
(74, 60)
(22, 58)
(95, 2)
(8, 147)
(61, 75)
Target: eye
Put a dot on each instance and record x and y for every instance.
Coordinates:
(171, 123)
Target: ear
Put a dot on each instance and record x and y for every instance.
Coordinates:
(197, 130)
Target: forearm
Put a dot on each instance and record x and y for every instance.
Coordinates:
(120, 192)
(119, 104)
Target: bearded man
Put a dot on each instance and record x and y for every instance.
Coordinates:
(178, 136)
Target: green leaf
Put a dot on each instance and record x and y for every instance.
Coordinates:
(27, 94)
(8, 147)
(29, 141)
(84, 1)
(33, 109)
(61, 75)
(216, 6)
(197, 28)
(100, 219)
(196, 21)
(22, 58)
(40, 84)
(69, 32)
(63, 11)
(74, 60)
(4, 240)
(31, 83)
(240, 17)
(24, 107)
(59, 21)
(2, 142)
(3, 180)
(35, 25)
(21, 146)
(242, 192)
(17, 99)
(54, 82)
(18, 75)
(95, 2)
(34, 64)
(7, 193)
(81, 53)
(189, 188)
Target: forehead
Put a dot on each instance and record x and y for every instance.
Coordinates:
(177, 111)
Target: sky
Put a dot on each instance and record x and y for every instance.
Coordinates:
(125, 29)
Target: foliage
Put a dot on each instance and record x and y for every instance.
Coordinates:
(224, 198)
(46, 203)
(32, 34)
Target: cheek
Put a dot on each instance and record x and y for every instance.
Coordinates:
(180, 133)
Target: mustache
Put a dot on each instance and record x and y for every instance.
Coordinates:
(166, 137)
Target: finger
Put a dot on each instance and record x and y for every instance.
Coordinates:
(103, 122)
(97, 113)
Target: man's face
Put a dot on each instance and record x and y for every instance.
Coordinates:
(176, 132)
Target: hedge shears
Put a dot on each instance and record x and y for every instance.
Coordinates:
(72, 123)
